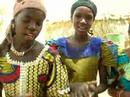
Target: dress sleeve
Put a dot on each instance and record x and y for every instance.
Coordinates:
(58, 83)
(109, 55)
(109, 59)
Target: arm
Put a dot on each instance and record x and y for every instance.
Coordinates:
(107, 60)
(103, 79)
(57, 84)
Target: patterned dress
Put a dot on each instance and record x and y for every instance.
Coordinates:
(124, 64)
(44, 73)
(82, 63)
(120, 86)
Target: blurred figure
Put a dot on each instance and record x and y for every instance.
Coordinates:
(121, 85)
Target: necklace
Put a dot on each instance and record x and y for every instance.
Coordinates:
(20, 54)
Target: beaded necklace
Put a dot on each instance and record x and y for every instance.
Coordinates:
(20, 54)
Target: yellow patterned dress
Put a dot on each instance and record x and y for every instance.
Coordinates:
(82, 63)
(44, 73)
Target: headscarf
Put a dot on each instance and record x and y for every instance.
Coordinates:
(86, 3)
(18, 7)
(23, 4)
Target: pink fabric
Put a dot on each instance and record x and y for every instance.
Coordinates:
(22, 4)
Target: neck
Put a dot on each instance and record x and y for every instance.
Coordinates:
(81, 38)
(22, 45)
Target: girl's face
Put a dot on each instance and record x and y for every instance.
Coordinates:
(82, 20)
(28, 24)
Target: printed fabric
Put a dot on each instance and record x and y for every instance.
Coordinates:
(45, 73)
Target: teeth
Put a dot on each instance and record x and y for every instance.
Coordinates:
(82, 28)
(30, 35)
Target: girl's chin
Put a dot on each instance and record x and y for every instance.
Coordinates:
(83, 30)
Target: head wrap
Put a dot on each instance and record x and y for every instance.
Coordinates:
(23, 4)
(86, 3)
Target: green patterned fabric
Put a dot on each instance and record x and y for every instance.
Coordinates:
(27, 81)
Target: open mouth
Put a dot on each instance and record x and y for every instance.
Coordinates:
(29, 35)
(82, 29)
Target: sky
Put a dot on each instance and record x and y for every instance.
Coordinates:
(60, 9)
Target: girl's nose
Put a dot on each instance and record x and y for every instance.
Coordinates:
(32, 26)
(83, 21)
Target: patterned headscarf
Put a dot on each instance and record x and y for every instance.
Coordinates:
(86, 3)
(22, 4)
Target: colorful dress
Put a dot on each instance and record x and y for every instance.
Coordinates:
(82, 63)
(120, 86)
(44, 73)
(124, 64)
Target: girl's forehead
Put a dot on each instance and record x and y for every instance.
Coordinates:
(31, 13)
(82, 8)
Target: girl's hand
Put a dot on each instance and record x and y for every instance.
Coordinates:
(112, 92)
(83, 89)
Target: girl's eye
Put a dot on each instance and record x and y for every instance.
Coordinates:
(89, 17)
(78, 15)
(39, 23)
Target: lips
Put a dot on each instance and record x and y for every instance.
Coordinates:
(30, 35)
(83, 28)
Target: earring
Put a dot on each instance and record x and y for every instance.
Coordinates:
(90, 32)
(12, 26)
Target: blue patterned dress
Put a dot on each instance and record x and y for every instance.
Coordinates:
(82, 63)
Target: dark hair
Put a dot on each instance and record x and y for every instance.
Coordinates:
(86, 3)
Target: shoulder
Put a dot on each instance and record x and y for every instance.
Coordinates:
(59, 42)
(51, 51)
(108, 44)
(96, 41)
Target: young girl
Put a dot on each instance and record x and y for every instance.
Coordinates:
(84, 54)
(27, 68)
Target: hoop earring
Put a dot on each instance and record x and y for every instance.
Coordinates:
(12, 28)
(90, 32)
